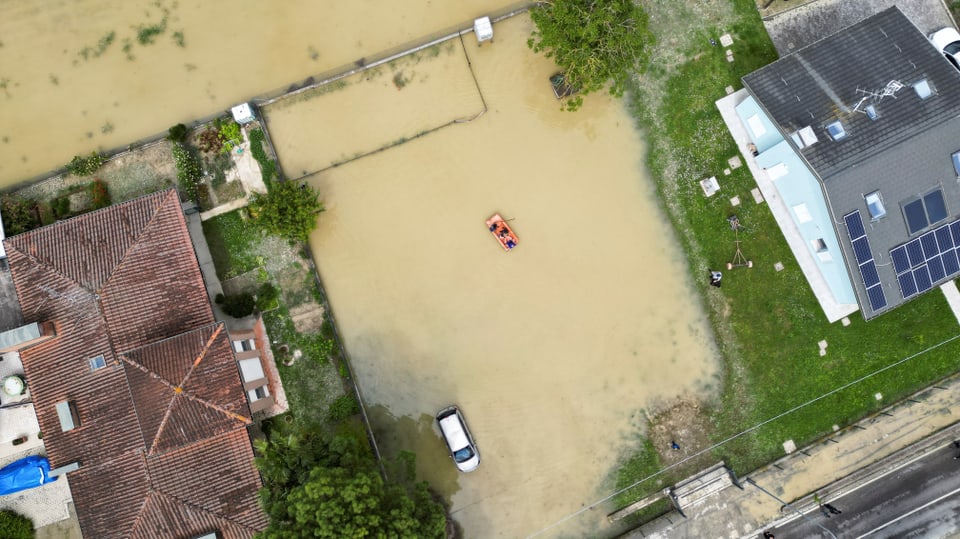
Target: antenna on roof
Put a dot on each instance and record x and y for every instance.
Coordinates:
(874, 97)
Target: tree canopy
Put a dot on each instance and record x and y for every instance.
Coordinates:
(289, 209)
(593, 42)
(320, 486)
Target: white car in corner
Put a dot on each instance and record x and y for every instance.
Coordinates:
(947, 40)
(453, 428)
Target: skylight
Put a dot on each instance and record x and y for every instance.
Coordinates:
(875, 205)
(923, 88)
(835, 130)
(923, 211)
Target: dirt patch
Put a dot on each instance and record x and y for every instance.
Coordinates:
(682, 421)
(307, 318)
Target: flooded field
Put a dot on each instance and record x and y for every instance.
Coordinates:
(552, 350)
(84, 75)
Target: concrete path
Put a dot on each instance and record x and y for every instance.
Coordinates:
(829, 468)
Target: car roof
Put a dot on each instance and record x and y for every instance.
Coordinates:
(945, 36)
(452, 428)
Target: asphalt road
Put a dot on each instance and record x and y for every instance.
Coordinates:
(919, 500)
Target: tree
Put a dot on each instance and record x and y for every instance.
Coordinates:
(238, 305)
(319, 486)
(593, 41)
(18, 214)
(289, 210)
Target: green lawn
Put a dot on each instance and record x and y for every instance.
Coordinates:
(768, 323)
(231, 240)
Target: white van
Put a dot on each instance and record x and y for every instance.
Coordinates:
(455, 433)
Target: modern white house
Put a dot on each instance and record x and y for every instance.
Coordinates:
(858, 150)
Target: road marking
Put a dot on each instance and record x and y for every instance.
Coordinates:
(905, 515)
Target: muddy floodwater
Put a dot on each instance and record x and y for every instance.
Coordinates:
(84, 75)
(551, 350)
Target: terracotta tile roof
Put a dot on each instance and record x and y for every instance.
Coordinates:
(162, 441)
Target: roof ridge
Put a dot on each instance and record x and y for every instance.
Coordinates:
(136, 241)
(180, 392)
(143, 504)
(197, 507)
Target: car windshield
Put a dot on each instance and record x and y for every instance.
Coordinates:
(463, 455)
(952, 48)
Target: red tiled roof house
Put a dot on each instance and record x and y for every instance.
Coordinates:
(139, 387)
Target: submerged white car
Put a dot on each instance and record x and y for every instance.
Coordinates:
(455, 433)
(947, 40)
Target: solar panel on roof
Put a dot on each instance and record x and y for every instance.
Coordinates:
(936, 208)
(877, 298)
(916, 217)
(854, 225)
(901, 262)
(943, 238)
(915, 252)
(955, 232)
(935, 267)
(861, 248)
(950, 263)
(907, 286)
(922, 278)
(929, 243)
(869, 273)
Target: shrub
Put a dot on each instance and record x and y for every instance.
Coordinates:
(267, 297)
(85, 166)
(177, 133)
(60, 207)
(219, 298)
(268, 167)
(230, 135)
(342, 408)
(15, 526)
(189, 171)
(18, 214)
(99, 195)
(238, 305)
(209, 140)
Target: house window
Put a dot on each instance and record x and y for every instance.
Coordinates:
(97, 363)
(68, 415)
(244, 346)
(819, 245)
(956, 162)
(262, 392)
(875, 205)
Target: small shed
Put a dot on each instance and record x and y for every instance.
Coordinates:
(484, 29)
(243, 113)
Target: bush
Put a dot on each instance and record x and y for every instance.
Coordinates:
(177, 133)
(268, 167)
(60, 207)
(85, 166)
(219, 298)
(99, 195)
(230, 135)
(267, 297)
(345, 406)
(15, 526)
(238, 305)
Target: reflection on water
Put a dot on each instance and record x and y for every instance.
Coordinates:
(82, 75)
(550, 349)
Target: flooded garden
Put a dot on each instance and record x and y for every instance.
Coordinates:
(554, 349)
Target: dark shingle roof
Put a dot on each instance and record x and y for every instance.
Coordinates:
(903, 153)
(162, 441)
